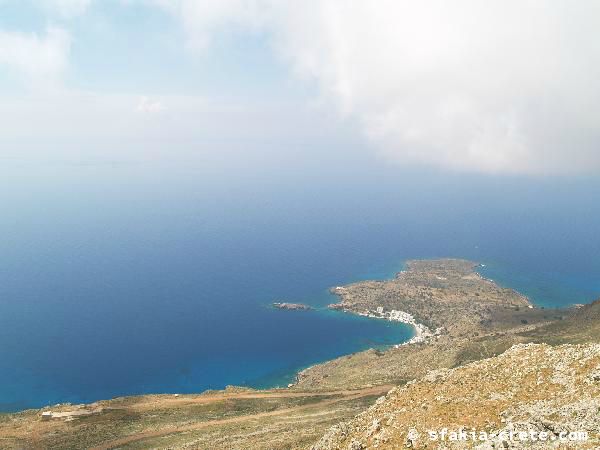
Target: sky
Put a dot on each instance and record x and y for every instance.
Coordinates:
(496, 87)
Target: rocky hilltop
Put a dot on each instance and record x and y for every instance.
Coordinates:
(550, 394)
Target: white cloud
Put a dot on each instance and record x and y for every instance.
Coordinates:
(202, 19)
(40, 59)
(149, 106)
(495, 86)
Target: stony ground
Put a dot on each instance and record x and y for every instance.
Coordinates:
(529, 387)
(225, 419)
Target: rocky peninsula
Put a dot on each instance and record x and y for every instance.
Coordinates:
(459, 316)
(445, 295)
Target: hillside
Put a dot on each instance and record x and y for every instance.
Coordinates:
(580, 325)
(531, 387)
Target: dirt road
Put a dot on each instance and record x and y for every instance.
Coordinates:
(344, 395)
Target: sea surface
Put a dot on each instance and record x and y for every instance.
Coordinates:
(120, 278)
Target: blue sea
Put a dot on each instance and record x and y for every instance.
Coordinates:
(120, 278)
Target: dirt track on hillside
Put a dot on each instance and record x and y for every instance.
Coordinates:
(343, 395)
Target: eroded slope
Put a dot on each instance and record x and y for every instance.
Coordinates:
(529, 387)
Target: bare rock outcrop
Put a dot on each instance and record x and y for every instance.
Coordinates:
(550, 393)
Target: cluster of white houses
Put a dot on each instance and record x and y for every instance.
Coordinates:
(396, 316)
(393, 315)
(422, 333)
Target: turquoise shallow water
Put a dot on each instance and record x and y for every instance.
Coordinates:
(118, 280)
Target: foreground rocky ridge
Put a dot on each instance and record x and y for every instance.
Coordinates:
(530, 388)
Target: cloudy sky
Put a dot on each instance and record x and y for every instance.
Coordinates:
(498, 87)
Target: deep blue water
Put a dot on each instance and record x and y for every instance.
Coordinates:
(123, 279)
